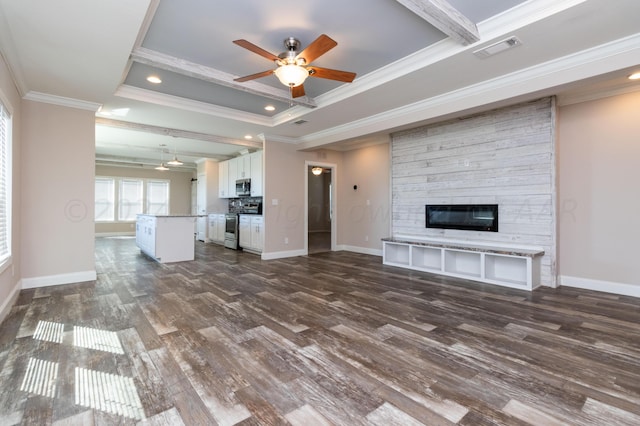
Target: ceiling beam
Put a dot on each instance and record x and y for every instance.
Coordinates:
(442, 15)
(166, 131)
(212, 75)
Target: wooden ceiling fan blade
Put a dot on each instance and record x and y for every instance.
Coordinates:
(330, 74)
(253, 76)
(297, 91)
(317, 48)
(255, 49)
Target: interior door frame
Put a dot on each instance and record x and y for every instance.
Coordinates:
(333, 206)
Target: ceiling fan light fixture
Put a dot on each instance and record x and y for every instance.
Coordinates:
(316, 170)
(291, 75)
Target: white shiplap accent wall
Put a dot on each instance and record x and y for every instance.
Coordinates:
(505, 157)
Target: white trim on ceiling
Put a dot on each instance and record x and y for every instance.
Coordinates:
(61, 100)
(585, 64)
(592, 95)
(211, 75)
(491, 29)
(167, 131)
(157, 98)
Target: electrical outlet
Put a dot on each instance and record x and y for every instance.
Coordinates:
(366, 238)
(286, 240)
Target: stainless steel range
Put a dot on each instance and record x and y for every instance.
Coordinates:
(238, 206)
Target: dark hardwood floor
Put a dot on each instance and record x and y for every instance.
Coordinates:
(332, 338)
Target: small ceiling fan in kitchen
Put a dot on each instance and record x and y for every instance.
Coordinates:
(293, 66)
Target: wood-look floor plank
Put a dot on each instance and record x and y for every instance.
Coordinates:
(331, 338)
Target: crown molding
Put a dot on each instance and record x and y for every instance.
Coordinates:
(143, 95)
(588, 63)
(61, 101)
(592, 95)
(520, 16)
(167, 131)
(212, 75)
(490, 29)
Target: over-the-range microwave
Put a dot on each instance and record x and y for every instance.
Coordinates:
(243, 188)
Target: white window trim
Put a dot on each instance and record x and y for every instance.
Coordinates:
(7, 261)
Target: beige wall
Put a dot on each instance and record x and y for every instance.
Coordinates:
(179, 192)
(284, 176)
(285, 172)
(364, 215)
(10, 276)
(58, 155)
(599, 199)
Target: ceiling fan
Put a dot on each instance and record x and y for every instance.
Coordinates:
(294, 67)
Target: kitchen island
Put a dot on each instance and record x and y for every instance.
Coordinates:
(166, 238)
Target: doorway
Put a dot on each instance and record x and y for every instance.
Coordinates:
(320, 207)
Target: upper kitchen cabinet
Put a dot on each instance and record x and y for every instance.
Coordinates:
(256, 174)
(248, 166)
(223, 179)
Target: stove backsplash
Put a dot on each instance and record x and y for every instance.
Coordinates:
(245, 205)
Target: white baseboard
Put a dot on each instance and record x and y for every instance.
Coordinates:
(362, 250)
(9, 301)
(283, 254)
(74, 277)
(598, 285)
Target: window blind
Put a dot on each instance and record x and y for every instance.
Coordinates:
(158, 197)
(105, 200)
(130, 199)
(5, 169)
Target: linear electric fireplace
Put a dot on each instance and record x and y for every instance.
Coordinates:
(470, 217)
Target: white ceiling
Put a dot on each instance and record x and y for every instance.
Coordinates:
(98, 54)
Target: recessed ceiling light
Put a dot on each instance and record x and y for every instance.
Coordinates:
(248, 137)
(270, 108)
(154, 79)
(635, 76)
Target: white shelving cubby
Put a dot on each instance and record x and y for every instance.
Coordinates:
(517, 267)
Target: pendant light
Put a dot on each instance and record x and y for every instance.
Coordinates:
(316, 170)
(175, 161)
(162, 167)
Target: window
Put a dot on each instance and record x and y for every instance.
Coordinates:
(128, 197)
(158, 197)
(105, 200)
(5, 183)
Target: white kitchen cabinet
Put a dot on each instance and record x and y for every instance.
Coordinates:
(247, 166)
(244, 166)
(257, 233)
(166, 238)
(223, 179)
(233, 176)
(256, 174)
(216, 228)
(251, 230)
(244, 229)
